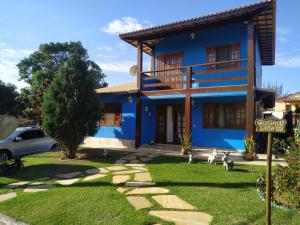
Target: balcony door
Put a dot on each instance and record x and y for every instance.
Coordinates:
(170, 123)
(171, 78)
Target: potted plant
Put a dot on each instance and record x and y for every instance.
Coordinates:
(249, 147)
(185, 143)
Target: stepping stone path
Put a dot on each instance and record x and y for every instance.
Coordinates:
(17, 184)
(184, 217)
(67, 182)
(172, 202)
(118, 179)
(116, 168)
(6, 220)
(139, 202)
(7, 196)
(138, 184)
(142, 185)
(94, 177)
(96, 171)
(38, 188)
(42, 178)
(69, 175)
(143, 176)
(126, 172)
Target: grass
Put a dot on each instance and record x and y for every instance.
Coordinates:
(230, 197)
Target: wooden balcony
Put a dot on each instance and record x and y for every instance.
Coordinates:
(200, 76)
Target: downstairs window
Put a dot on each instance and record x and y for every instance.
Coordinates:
(226, 116)
(111, 115)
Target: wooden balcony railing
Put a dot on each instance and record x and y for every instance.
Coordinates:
(201, 75)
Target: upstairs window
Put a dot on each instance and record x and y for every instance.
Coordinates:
(226, 116)
(111, 115)
(221, 54)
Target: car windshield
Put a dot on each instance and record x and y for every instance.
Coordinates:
(12, 135)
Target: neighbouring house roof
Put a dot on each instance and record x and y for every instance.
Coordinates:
(290, 98)
(126, 88)
(263, 14)
(267, 96)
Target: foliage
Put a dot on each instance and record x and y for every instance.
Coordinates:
(8, 102)
(185, 142)
(71, 106)
(286, 180)
(41, 67)
(297, 132)
(249, 144)
(277, 88)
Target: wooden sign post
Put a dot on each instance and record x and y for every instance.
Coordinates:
(269, 126)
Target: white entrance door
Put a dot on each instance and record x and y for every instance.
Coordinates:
(169, 120)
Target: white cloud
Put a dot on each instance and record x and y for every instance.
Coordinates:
(55, 17)
(121, 67)
(9, 58)
(283, 60)
(104, 48)
(123, 25)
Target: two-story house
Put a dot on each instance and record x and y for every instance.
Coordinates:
(205, 81)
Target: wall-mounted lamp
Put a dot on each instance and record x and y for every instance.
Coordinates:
(130, 99)
(193, 35)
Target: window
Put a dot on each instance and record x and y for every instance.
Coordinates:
(221, 54)
(227, 116)
(111, 115)
(31, 134)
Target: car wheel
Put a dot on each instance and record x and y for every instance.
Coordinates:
(54, 147)
(4, 156)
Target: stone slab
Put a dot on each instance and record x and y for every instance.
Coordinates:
(148, 190)
(121, 189)
(139, 184)
(94, 177)
(139, 202)
(184, 217)
(17, 184)
(129, 157)
(172, 202)
(36, 183)
(141, 168)
(145, 159)
(103, 170)
(116, 168)
(121, 161)
(69, 175)
(135, 161)
(67, 182)
(145, 176)
(92, 171)
(7, 196)
(6, 220)
(38, 188)
(126, 172)
(42, 178)
(119, 179)
(135, 164)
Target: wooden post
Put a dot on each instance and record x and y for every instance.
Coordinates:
(138, 100)
(188, 102)
(250, 89)
(268, 179)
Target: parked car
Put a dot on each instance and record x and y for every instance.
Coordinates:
(25, 141)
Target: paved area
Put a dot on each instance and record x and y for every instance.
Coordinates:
(67, 182)
(7, 196)
(6, 220)
(118, 179)
(38, 188)
(94, 177)
(142, 177)
(69, 175)
(172, 202)
(138, 202)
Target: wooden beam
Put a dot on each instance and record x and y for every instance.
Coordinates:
(138, 101)
(187, 110)
(250, 90)
(241, 77)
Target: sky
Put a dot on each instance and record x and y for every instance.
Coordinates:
(24, 25)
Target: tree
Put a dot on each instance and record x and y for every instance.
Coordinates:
(41, 67)
(71, 106)
(8, 102)
(277, 88)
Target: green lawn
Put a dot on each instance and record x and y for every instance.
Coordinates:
(229, 197)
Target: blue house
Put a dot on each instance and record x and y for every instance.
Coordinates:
(205, 81)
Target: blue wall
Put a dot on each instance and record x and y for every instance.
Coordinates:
(215, 138)
(194, 50)
(127, 129)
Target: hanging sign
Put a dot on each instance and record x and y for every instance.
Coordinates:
(270, 125)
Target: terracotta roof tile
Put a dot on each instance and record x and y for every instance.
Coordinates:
(125, 88)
